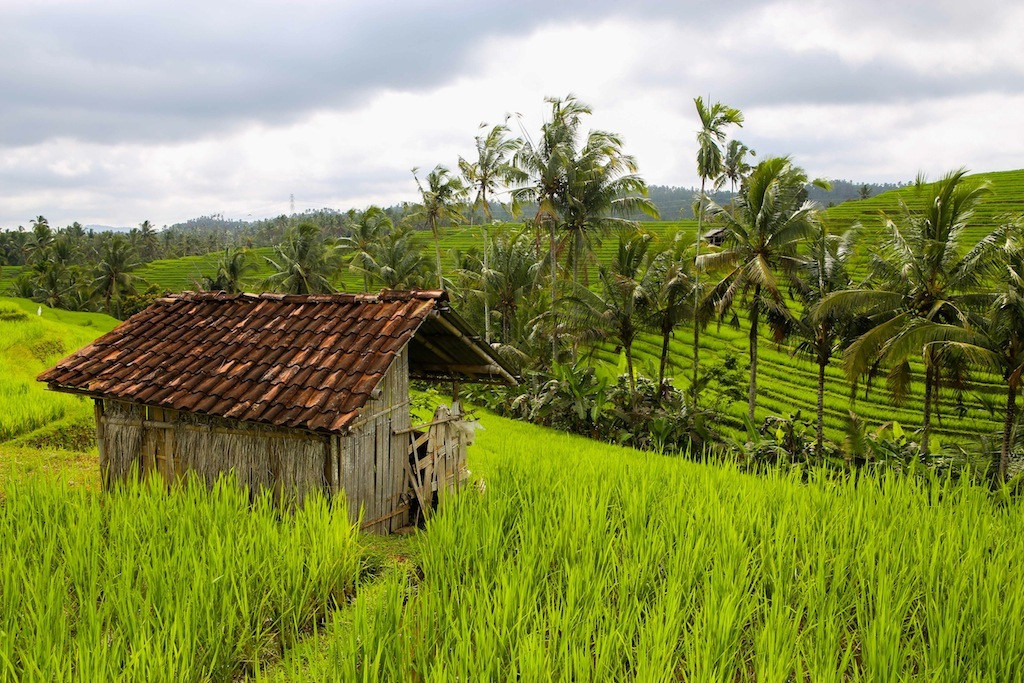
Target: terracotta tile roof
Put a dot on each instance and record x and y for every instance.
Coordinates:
(306, 362)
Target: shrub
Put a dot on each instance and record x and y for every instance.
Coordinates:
(11, 313)
(582, 400)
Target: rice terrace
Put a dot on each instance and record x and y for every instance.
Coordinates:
(622, 384)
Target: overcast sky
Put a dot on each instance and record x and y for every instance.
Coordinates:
(116, 112)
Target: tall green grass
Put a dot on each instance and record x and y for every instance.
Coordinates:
(589, 562)
(142, 585)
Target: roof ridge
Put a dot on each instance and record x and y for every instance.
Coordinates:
(340, 297)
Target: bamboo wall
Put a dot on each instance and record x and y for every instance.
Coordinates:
(289, 462)
(372, 459)
(369, 464)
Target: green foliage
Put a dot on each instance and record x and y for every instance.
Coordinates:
(77, 432)
(136, 301)
(588, 562)
(594, 402)
(29, 344)
(142, 584)
(11, 313)
(302, 264)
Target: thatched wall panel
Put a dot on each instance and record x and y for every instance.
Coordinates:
(122, 441)
(290, 462)
(370, 461)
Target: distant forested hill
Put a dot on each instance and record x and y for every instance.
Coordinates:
(673, 203)
(677, 202)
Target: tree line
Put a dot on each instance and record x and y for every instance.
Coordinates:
(543, 298)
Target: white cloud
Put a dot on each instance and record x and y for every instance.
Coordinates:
(847, 93)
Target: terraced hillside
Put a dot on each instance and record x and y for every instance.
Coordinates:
(185, 273)
(787, 383)
(32, 338)
(1005, 201)
(7, 275)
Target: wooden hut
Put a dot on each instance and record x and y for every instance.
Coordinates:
(287, 392)
(715, 237)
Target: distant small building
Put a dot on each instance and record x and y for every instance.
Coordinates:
(716, 236)
(286, 392)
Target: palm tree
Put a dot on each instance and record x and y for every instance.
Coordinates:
(991, 338)
(75, 231)
(63, 251)
(398, 261)
(615, 311)
(511, 278)
(440, 203)
(713, 122)
(735, 167)
(767, 222)
(545, 162)
(669, 281)
(149, 243)
(39, 239)
(113, 275)
(492, 171)
(233, 266)
(921, 274)
(52, 285)
(602, 189)
(301, 262)
(367, 232)
(823, 273)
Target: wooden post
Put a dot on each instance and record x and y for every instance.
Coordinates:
(334, 463)
(97, 408)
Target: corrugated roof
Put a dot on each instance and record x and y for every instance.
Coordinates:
(301, 361)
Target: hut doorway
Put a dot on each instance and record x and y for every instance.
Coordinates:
(158, 445)
(437, 457)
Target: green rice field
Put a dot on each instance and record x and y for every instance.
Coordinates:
(187, 273)
(29, 344)
(565, 559)
(787, 383)
(144, 586)
(582, 561)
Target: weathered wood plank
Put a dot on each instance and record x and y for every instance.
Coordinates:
(97, 408)
(348, 475)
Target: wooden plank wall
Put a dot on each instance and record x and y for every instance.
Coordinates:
(373, 457)
(290, 462)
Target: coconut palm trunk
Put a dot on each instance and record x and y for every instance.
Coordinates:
(1008, 421)
(628, 349)
(926, 425)
(754, 320)
(822, 363)
(487, 303)
(666, 334)
(437, 252)
(554, 292)
(696, 297)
